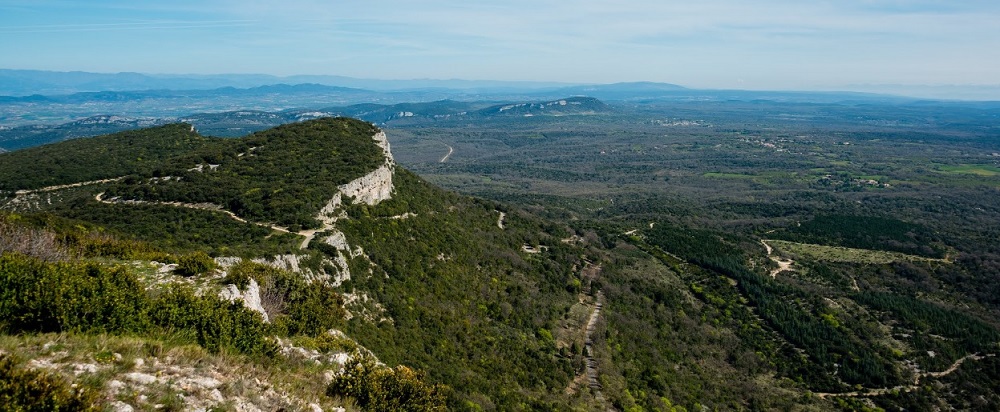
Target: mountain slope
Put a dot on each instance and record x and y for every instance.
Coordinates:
(426, 278)
(103, 157)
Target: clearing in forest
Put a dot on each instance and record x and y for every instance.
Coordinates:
(845, 254)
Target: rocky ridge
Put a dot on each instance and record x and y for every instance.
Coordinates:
(370, 189)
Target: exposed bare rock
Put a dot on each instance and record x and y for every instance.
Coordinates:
(140, 378)
(285, 262)
(225, 262)
(250, 297)
(372, 188)
(361, 305)
(119, 406)
(334, 359)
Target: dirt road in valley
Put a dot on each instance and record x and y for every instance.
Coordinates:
(783, 264)
(445, 158)
(907, 388)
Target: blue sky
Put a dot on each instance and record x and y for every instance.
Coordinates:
(764, 44)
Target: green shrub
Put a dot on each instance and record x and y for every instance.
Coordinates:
(293, 305)
(194, 263)
(216, 324)
(23, 389)
(241, 273)
(378, 388)
(37, 296)
(225, 324)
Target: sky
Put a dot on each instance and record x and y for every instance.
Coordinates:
(742, 44)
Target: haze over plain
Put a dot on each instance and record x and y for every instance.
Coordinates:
(888, 46)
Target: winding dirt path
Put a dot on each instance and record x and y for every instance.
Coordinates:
(450, 151)
(307, 234)
(60, 187)
(907, 388)
(783, 264)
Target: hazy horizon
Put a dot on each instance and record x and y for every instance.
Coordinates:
(774, 44)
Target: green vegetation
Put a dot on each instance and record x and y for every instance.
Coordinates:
(23, 389)
(86, 297)
(792, 314)
(136, 152)
(181, 230)
(842, 254)
(194, 263)
(978, 170)
(283, 175)
(867, 232)
(962, 333)
(462, 300)
(478, 305)
(871, 200)
(473, 314)
(376, 388)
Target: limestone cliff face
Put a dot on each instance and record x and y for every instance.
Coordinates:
(370, 189)
(250, 297)
(376, 186)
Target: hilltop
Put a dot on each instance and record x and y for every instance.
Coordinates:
(633, 265)
(413, 274)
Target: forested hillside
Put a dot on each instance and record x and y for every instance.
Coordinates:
(765, 255)
(606, 266)
(142, 246)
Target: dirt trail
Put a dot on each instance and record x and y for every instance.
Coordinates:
(591, 364)
(308, 234)
(500, 220)
(71, 185)
(590, 375)
(952, 368)
(907, 388)
(783, 264)
(450, 151)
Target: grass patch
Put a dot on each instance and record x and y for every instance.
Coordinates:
(844, 254)
(719, 175)
(978, 170)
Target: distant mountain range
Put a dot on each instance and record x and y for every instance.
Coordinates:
(29, 82)
(242, 122)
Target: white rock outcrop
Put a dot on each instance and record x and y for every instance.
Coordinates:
(284, 262)
(250, 297)
(372, 188)
(369, 189)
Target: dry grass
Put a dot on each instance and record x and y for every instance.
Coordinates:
(844, 254)
(116, 365)
(38, 243)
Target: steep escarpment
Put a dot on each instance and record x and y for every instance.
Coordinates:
(283, 175)
(312, 237)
